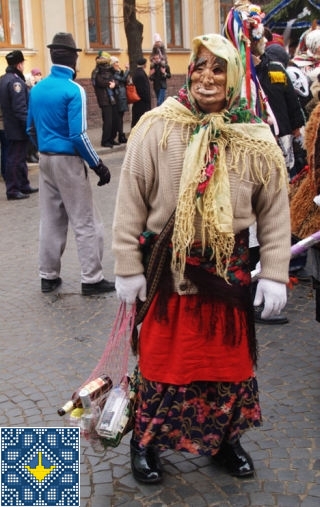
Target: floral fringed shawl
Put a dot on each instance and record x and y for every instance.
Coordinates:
(204, 184)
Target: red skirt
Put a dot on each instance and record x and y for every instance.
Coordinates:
(189, 345)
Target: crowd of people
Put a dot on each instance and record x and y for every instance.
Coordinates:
(109, 82)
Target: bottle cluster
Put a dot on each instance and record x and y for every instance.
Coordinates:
(101, 410)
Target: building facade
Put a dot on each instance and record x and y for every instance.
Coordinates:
(97, 25)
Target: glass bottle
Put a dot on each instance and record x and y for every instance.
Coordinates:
(96, 388)
(114, 414)
(89, 415)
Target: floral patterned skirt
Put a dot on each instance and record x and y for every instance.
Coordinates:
(196, 417)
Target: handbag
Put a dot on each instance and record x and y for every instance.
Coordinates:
(104, 420)
(132, 94)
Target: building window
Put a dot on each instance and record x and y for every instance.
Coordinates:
(99, 23)
(174, 23)
(225, 7)
(11, 33)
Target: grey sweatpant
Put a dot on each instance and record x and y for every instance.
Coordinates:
(65, 196)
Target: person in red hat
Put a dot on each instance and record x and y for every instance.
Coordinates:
(37, 75)
(14, 104)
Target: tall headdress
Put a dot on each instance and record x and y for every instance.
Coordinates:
(244, 24)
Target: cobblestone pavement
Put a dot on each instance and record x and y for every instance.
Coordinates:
(50, 344)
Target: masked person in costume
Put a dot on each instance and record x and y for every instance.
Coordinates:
(57, 119)
(198, 171)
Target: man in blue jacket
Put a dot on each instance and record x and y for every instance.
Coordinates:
(14, 104)
(57, 119)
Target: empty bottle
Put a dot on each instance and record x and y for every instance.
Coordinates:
(114, 413)
(96, 388)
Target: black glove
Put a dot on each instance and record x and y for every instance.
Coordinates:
(103, 172)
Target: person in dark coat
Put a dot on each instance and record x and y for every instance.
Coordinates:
(104, 84)
(281, 95)
(120, 76)
(141, 82)
(3, 149)
(14, 104)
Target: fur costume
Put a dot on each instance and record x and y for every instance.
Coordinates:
(305, 214)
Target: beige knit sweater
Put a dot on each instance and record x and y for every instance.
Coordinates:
(148, 193)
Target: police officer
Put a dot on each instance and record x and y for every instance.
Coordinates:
(14, 104)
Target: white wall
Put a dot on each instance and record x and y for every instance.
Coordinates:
(211, 16)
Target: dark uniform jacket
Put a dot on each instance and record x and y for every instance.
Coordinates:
(14, 96)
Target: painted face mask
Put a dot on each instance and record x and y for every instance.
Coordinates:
(299, 81)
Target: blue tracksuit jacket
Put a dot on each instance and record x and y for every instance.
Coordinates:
(57, 110)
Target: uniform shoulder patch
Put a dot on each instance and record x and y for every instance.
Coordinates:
(277, 76)
(17, 87)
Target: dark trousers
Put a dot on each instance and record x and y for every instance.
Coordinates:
(120, 123)
(4, 144)
(16, 171)
(138, 109)
(109, 123)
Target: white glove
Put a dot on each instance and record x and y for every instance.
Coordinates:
(273, 295)
(316, 200)
(130, 287)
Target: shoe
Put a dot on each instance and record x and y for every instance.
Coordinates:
(17, 196)
(115, 143)
(122, 139)
(271, 321)
(92, 289)
(303, 275)
(145, 464)
(31, 190)
(33, 159)
(107, 145)
(50, 285)
(236, 460)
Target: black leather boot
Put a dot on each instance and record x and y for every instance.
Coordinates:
(145, 463)
(236, 460)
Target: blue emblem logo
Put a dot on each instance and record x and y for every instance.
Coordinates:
(40, 467)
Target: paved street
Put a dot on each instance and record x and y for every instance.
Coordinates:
(49, 345)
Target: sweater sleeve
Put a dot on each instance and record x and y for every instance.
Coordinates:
(147, 193)
(271, 206)
(131, 212)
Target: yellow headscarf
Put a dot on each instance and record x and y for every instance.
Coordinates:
(214, 205)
